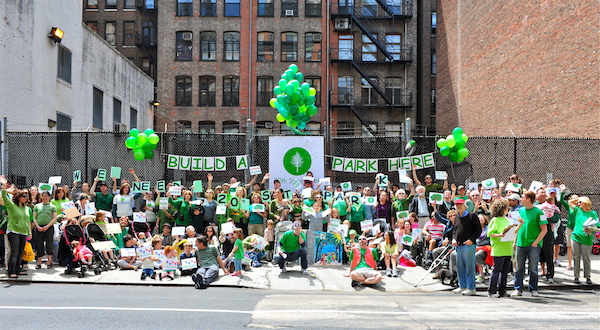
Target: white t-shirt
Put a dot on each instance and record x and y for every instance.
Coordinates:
(124, 205)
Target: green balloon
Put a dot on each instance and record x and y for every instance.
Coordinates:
(149, 154)
(282, 83)
(130, 142)
(312, 91)
(149, 131)
(134, 132)
(453, 156)
(139, 155)
(444, 151)
(284, 112)
(141, 139)
(458, 160)
(412, 143)
(465, 138)
(272, 102)
(295, 83)
(289, 89)
(280, 118)
(305, 87)
(277, 90)
(463, 153)
(457, 132)
(153, 138)
(460, 143)
(301, 125)
(441, 143)
(290, 74)
(296, 97)
(294, 68)
(311, 110)
(310, 100)
(450, 141)
(299, 76)
(299, 117)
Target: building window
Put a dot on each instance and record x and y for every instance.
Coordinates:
(208, 8)
(146, 66)
(394, 45)
(393, 90)
(63, 138)
(110, 4)
(433, 23)
(368, 96)
(365, 130)
(264, 90)
(184, 46)
(312, 47)
(393, 129)
(289, 8)
(149, 4)
(133, 118)
(129, 4)
(264, 127)
(232, 7)
(64, 63)
(206, 127)
(368, 49)
(92, 25)
(110, 33)
(231, 91)
(185, 126)
(207, 91)
(346, 90)
(91, 4)
(315, 82)
(148, 33)
(265, 47)
(266, 8)
(116, 111)
(128, 33)
(97, 108)
(313, 128)
(312, 8)
(185, 8)
(345, 128)
(433, 62)
(208, 46)
(346, 46)
(183, 90)
(231, 127)
(232, 46)
(396, 6)
(289, 46)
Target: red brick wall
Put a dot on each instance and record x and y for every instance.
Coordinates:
(529, 66)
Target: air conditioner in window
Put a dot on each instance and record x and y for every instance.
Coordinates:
(187, 36)
(268, 125)
(120, 128)
(317, 37)
(289, 12)
(342, 24)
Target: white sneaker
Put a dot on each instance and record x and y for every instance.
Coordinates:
(458, 290)
(557, 263)
(516, 293)
(535, 294)
(305, 271)
(551, 281)
(284, 270)
(388, 272)
(394, 273)
(469, 292)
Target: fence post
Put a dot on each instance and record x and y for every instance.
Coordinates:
(87, 134)
(515, 155)
(249, 133)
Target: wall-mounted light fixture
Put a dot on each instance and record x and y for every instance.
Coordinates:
(154, 103)
(51, 123)
(56, 34)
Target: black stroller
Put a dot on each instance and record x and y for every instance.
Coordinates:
(95, 233)
(66, 255)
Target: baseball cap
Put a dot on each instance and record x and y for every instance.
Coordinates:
(514, 197)
(459, 201)
(102, 183)
(167, 224)
(352, 231)
(461, 187)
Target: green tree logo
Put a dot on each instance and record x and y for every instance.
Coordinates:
(297, 161)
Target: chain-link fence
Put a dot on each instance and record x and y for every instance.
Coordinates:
(33, 157)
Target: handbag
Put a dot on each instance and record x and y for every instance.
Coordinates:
(28, 254)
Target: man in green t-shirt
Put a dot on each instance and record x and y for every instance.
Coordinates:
(429, 185)
(292, 246)
(363, 264)
(530, 233)
(104, 199)
(209, 261)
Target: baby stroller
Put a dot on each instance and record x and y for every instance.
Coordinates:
(70, 234)
(94, 231)
(141, 227)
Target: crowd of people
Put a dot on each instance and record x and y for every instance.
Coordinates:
(236, 226)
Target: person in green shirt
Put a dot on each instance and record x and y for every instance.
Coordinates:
(586, 222)
(292, 246)
(44, 217)
(530, 233)
(363, 264)
(18, 227)
(501, 250)
(238, 251)
(59, 198)
(183, 207)
(429, 185)
(104, 199)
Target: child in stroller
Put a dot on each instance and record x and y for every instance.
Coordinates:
(82, 253)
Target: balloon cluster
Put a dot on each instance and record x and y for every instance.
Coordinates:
(142, 143)
(294, 99)
(453, 146)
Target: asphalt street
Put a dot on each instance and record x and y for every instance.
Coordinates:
(76, 306)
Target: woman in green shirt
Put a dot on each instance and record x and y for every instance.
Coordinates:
(59, 198)
(18, 227)
(44, 217)
(184, 217)
(582, 236)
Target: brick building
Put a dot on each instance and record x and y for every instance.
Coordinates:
(219, 60)
(528, 68)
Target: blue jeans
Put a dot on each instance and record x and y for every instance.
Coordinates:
(532, 254)
(301, 253)
(208, 274)
(465, 263)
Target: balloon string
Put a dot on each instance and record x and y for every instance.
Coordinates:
(452, 168)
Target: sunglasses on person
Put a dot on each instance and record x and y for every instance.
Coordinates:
(362, 239)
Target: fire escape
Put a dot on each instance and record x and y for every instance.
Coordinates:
(146, 41)
(370, 18)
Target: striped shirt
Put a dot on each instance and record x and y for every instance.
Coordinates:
(436, 230)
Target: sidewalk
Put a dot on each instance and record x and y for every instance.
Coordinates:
(320, 278)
